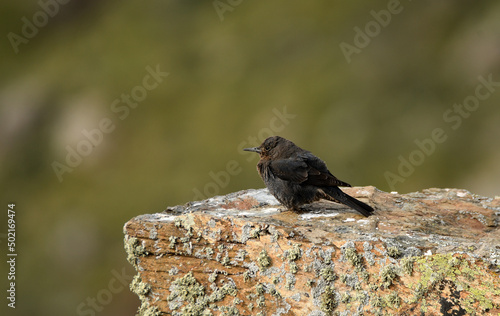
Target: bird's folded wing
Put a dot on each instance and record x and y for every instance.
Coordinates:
(319, 174)
(293, 170)
(305, 170)
(318, 178)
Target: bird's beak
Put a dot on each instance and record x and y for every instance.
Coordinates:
(254, 149)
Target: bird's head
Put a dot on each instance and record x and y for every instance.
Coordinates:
(273, 148)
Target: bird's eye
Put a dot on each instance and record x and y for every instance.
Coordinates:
(267, 148)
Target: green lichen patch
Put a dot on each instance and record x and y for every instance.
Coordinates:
(146, 310)
(276, 279)
(229, 311)
(345, 298)
(328, 301)
(463, 274)
(393, 252)
(364, 275)
(173, 241)
(260, 289)
(186, 288)
(377, 301)
(295, 253)
(138, 287)
(274, 292)
(190, 297)
(264, 260)
(388, 275)
(186, 222)
(392, 300)
(212, 277)
(261, 301)
(225, 260)
(351, 280)
(328, 274)
(247, 275)
(134, 248)
(256, 232)
(407, 265)
(275, 236)
(353, 257)
(221, 292)
(195, 310)
(229, 289)
(209, 251)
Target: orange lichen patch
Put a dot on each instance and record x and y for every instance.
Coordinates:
(241, 204)
(471, 223)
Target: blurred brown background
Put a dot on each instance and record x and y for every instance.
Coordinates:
(94, 132)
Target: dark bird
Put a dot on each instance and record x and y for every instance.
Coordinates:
(295, 176)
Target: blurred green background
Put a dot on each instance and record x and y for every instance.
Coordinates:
(356, 85)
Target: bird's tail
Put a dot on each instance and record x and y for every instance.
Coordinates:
(339, 196)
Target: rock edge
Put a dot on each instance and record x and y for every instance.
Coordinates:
(434, 252)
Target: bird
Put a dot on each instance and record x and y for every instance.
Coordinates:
(295, 176)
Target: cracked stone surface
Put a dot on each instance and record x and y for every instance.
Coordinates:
(434, 252)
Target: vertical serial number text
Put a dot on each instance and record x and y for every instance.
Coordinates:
(11, 255)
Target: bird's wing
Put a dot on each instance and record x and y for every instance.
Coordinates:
(319, 174)
(291, 169)
(305, 169)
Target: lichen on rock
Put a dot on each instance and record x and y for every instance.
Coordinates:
(434, 252)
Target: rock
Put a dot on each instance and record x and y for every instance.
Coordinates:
(434, 252)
